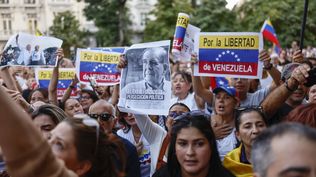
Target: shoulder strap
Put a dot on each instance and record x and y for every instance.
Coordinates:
(162, 152)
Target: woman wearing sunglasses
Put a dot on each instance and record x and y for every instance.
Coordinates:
(28, 154)
(192, 150)
(157, 136)
(250, 122)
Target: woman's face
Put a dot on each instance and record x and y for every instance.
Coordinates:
(175, 110)
(251, 125)
(312, 94)
(62, 142)
(45, 124)
(86, 101)
(224, 104)
(130, 119)
(180, 85)
(37, 96)
(72, 107)
(193, 152)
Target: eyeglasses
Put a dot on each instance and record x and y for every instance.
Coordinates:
(192, 115)
(84, 98)
(103, 116)
(93, 123)
(174, 114)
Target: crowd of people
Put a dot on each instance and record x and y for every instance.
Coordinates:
(249, 127)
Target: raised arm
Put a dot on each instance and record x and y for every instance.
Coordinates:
(268, 66)
(8, 78)
(279, 95)
(52, 88)
(67, 93)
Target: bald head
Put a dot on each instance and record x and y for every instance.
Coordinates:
(101, 106)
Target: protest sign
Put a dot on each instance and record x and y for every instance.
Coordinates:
(145, 84)
(229, 55)
(188, 44)
(30, 50)
(181, 27)
(43, 77)
(97, 65)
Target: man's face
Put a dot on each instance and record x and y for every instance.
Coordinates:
(298, 95)
(36, 48)
(241, 85)
(153, 69)
(293, 156)
(101, 109)
(312, 94)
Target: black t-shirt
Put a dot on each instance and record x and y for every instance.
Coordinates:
(278, 117)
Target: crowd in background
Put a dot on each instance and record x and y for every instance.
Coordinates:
(231, 130)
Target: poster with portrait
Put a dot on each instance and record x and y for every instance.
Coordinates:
(229, 54)
(145, 85)
(43, 77)
(98, 66)
(30, 50)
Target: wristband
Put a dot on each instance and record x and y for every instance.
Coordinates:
(288, 88)
(71, 86)
(269, 67)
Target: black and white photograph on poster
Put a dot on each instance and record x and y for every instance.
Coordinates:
(30, 50)
(145, 82)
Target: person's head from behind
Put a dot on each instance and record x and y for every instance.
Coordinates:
(155, 65)
(192, 149)
(286, 149)
(104, 112)
(241, 85)
(225, 100)
(175, 110)
(304, 114)
(47, 117)
(28, 47)
(84, 148)
(66, 63)
(40, 94)
(87, 98)
(249, 123)
(181, 83)
(72, 107)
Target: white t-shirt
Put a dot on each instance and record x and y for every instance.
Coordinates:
(144, 157)
(189, 101)
(226, 144)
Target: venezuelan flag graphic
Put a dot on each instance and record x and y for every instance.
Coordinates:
(269, 34)
(98, 64)
(229, 54)
(43, 77)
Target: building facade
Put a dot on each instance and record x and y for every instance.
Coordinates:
(29, 15)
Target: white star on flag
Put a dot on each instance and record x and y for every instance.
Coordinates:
(227, 52)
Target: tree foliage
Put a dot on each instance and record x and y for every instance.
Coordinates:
(213, 16)
(165, 13)
(111, 18)
(66, 27)
(285, 15)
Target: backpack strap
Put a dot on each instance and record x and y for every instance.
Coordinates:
(162, 152)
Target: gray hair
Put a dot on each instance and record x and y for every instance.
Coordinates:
(159, 52)
(261, 154)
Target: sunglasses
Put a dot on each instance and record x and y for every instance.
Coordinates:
(93, 123)
(249, 108)
(103, 116)
(192, 115)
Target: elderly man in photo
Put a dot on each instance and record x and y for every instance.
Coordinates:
(154, 86)
(155, 66)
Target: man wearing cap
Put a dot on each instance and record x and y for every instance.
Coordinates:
(289, 94)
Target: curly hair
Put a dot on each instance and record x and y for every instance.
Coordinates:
(304, 114)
